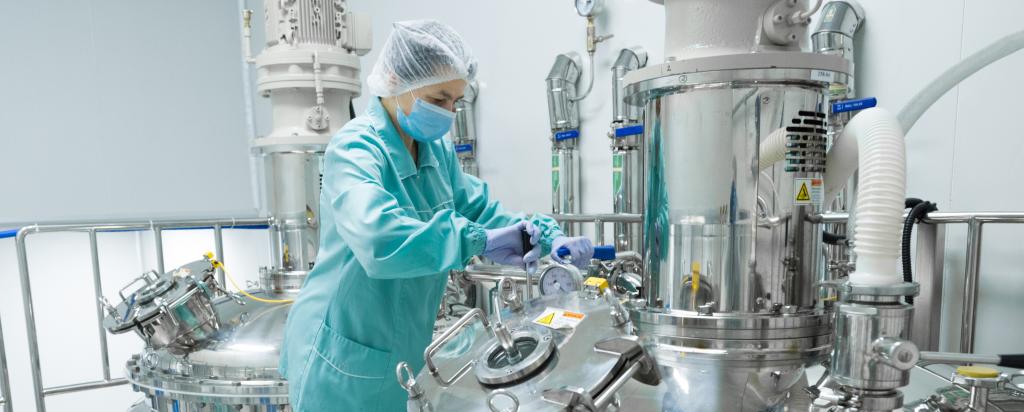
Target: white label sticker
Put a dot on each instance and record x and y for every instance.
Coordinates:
(555, 318)
(809, 192)
(822, 75)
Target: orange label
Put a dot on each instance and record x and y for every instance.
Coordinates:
(573, 315)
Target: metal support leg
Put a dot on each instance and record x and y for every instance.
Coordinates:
(5, 382)
(928, 271)
(97, 288)
(30, 321)
(971, 272)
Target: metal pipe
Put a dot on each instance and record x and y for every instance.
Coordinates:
(30, 318)
(935, 217)
(494, 273)
(158, 245)
(608, 394)
(971, 274)
(953, 358)
(603, 217)
(124, 226)
(5, 382)
(218, 248)
(79, 387)
(97, 288)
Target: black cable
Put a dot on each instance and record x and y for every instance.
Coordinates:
(918, 210)
(830, 238)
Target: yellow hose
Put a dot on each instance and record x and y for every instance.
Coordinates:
(219, 264)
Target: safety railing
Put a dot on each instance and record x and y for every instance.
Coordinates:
(930, 245)
(156, 227)
(598, 220)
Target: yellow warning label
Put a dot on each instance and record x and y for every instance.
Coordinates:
(803, 195)
(546, 320)
(555, 318)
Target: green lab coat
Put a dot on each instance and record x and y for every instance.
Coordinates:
(389, 233)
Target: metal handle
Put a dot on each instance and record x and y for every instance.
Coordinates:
(448, 334)
(507, 394)
(145, 276)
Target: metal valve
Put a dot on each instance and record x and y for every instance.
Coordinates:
(898, 353)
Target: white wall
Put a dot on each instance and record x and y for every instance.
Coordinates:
(135, 102)
(114, 109)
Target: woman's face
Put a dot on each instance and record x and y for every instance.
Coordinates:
(442, 95)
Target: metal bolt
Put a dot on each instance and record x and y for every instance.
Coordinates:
(682, 79)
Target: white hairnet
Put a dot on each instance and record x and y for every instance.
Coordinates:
(420, 53)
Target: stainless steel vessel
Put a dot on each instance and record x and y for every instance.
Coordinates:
(732, 267)
(533, 363)
(225, 352)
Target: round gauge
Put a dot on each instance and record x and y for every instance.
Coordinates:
(587, 8)
(559, 279)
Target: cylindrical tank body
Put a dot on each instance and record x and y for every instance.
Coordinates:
(731, 264)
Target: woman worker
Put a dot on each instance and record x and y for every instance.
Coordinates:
(397, 215)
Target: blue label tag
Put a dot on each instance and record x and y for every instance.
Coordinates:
(465, 147)
(629, 130)
(851, 105)
(568, 134)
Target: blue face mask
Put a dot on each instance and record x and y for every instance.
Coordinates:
(426, 122)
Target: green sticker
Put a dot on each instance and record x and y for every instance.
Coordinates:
(555, 171)
(616, 173)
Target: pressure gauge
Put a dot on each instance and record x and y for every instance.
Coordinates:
(587, 8)
(560, 279)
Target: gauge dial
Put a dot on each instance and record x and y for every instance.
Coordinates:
(560, 279)
(587, 8)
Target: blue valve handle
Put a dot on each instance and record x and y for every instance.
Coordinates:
(600, 252)
(855, 104)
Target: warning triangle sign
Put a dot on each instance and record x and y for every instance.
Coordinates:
(803, 195)
(547, 319)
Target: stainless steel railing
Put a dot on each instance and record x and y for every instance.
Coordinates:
(972, 267)
(599, 220)
(157, 227)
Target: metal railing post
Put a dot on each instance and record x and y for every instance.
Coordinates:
(97, 287)
(928, 269)
(218, 250)
(30, 319)
(5, 381)
(971, 274)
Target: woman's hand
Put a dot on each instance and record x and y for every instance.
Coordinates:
(505, 245)
(579, 249)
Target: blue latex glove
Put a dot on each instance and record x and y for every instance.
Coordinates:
(581, 250)
(505, 245)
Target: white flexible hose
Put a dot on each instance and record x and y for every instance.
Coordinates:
(590, 84)
(954, 75)
(772, 149)
(880, 196)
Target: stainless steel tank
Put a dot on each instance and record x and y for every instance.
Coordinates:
(731, 306)
(220, 351)
(572, 351)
